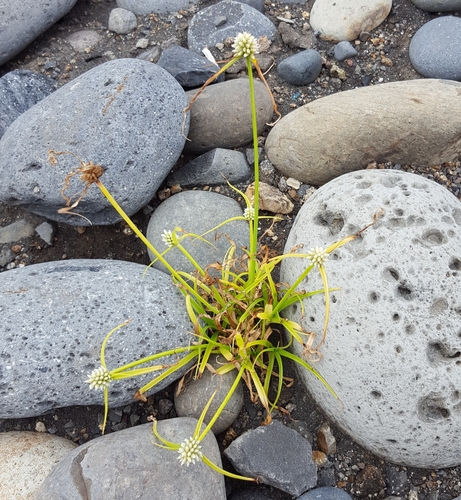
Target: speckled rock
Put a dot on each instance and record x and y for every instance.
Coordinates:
(435, 49)
(345, 20)
(197, 212)
(143, 7)
(55, 318)
(393, 342)
(234, 18)
(438, 5)
(122, 21)
(410, 122)
(128, 465)
(102, 117)
(27, 459)
(221, 115)
(22, 22)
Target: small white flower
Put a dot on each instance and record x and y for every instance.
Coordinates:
(168, 238)
(245, 45)
(318, 256)
(189, 451)
(99, 378)
(249, 213)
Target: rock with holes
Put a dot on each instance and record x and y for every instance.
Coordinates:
(55, 317)
(411, 122)
(125, 115)
(392, 351)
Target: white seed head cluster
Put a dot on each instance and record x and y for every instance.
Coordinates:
(189, 451)
(318, 256)
(167, 238)
(99, 378)
(245, 45)
(249, 213)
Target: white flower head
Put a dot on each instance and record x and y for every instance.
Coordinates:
(249, 213)
(318, 256)
(99, 378)
(245, 45)
(168, 238)
(189, 451)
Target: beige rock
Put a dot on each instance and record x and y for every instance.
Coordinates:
(221, 115)
(325, 439)
(411, 122)
(271, 199)
(346, 19)
(27, 459)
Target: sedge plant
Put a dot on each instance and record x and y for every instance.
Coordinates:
(234, 315)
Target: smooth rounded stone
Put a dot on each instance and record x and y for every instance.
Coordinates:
(143, 7)
(27, 459)
(189, 69)
(128, 464)
(103, 117)
(302, 68)
(221, 115)
(56, 317)
(226, 19)
(19, 91)
(193, 398)
(256, 453)
(213, 169)
(345, 20)
(438, 5)
(122, 21)
(197, 212)
(396, 318)
(343, 50)
(411, 122)
(326, 493)
(435, 49)
(22, 22)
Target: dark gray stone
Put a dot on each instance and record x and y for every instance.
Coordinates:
(16, 231)
(212, 169)
(22, 22)
(189, 69)
(128, 465)
(19, 91)
(438, 5)
(302, 68)
(6, 255)
(276, 455)
(435, 49)
(143, 7)
(326, 493)
(256, 4)
(396, 481)
(122, 21)
(197, 212)
(343, 50)
(126, 115)
(54, 321)
(239, 17)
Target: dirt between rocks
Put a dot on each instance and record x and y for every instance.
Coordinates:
(383, 57)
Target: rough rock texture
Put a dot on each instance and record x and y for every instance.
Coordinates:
(136, 109)
(256, 454)
(27, 459)
(196, 393)
(209, 210)
(345, 20)
(221, 115)
(212, 168)
(143, 7)
(19, 91)
(420, 127)
(204, 31)
(438, 5)
(435, 49)
(22, 22)
(128, 465)
(55, 317)
(325, 493)
(393, 342)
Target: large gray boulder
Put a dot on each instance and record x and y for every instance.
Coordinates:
(438, 5)
(410, 122)
(22, 22)
(125, 115)
(393, 343)
(128, 465)
(55, 317)
(143, 7)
